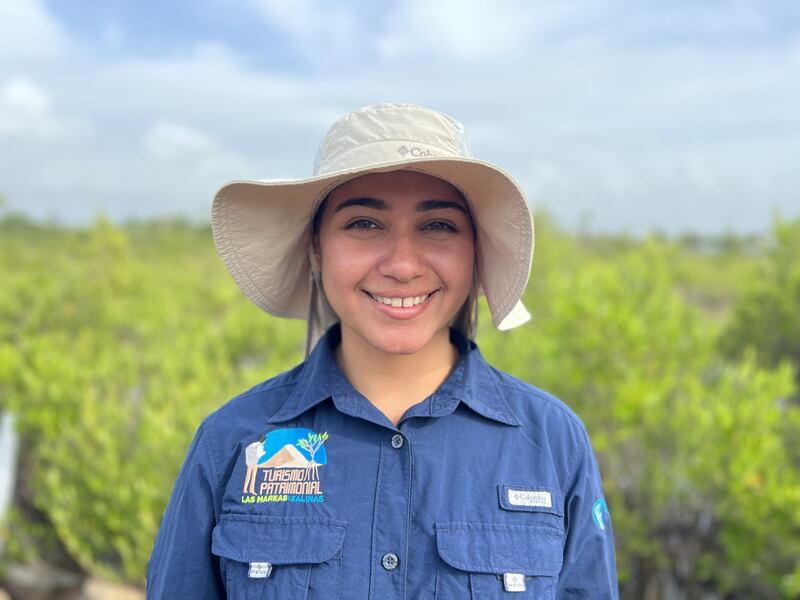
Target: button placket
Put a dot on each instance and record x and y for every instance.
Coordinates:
(391, 518)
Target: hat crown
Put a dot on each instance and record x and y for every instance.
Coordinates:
(384, 133)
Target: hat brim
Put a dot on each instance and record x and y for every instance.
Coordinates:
(261, 231)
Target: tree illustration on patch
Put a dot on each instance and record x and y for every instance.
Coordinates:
(311, 444)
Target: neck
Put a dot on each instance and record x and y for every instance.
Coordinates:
(394, 382)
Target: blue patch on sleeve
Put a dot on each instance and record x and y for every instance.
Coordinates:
(600, 513)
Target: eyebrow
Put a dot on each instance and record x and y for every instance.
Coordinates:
(378, 204)
(438, 204)
(368, 202)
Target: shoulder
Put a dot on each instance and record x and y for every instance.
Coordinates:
(544, 415)
(525, 398)
(242, 419)
(259, 402)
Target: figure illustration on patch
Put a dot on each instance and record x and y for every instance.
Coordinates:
(252, 454)
(283, 466)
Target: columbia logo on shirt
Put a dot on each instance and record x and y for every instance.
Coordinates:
(530, 498)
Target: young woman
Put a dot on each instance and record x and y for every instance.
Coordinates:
(394, 462)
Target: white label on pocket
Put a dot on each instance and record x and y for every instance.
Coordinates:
(514, 582)
(530, 498)
(259, 570)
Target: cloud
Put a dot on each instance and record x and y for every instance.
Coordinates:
(169, 141)
(24, 99)
(26, 114)
(479, 31)
(321, 32)
(592, 106)
(175, 168)
(307, 19)
(27, 31)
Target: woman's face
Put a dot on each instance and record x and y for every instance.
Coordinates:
(396, 252)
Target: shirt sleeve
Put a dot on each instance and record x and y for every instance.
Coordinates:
(181, 564)
(589, 566)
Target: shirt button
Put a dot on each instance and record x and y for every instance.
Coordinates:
(397, 440)
(390, 561)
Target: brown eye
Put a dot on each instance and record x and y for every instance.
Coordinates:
(439, 226)
(362, 224)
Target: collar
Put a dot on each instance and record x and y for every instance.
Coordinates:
(472, 382)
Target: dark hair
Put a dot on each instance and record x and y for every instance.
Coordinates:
(316, 220)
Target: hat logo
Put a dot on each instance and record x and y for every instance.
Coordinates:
(415, 151)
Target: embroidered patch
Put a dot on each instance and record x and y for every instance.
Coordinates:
(283, 466)
(529, 498)
(600, 513)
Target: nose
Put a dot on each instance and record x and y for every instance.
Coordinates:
(402, 260)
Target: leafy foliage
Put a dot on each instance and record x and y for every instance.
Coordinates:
(110, 355)
(115, 342)
(694, 448)
(767, 319)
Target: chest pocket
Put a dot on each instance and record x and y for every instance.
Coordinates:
(474, 557)
(304, 554)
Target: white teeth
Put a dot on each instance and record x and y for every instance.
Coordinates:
(404, 302)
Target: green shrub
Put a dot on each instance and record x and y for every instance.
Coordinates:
(692, 447)
(114, 343)
(110, 360)
(767, 317)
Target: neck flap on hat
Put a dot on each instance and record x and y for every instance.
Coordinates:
(320, 314)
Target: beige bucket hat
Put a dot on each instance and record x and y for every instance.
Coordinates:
(262, 228)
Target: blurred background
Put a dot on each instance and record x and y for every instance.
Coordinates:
(659, 146)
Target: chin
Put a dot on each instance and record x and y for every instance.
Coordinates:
(399, 342)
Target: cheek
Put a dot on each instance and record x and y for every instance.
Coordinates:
(344, 263)
(457, 261)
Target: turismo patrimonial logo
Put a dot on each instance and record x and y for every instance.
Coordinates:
(283, 466)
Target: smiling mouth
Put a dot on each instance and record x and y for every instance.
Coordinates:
(401, 301)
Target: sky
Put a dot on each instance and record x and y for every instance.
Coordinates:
(614, 116)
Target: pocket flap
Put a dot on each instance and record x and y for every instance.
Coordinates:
(495, 548)
(277, 540)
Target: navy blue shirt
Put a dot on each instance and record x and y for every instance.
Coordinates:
(301, 488)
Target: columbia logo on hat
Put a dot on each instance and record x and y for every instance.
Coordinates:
(414, 150)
